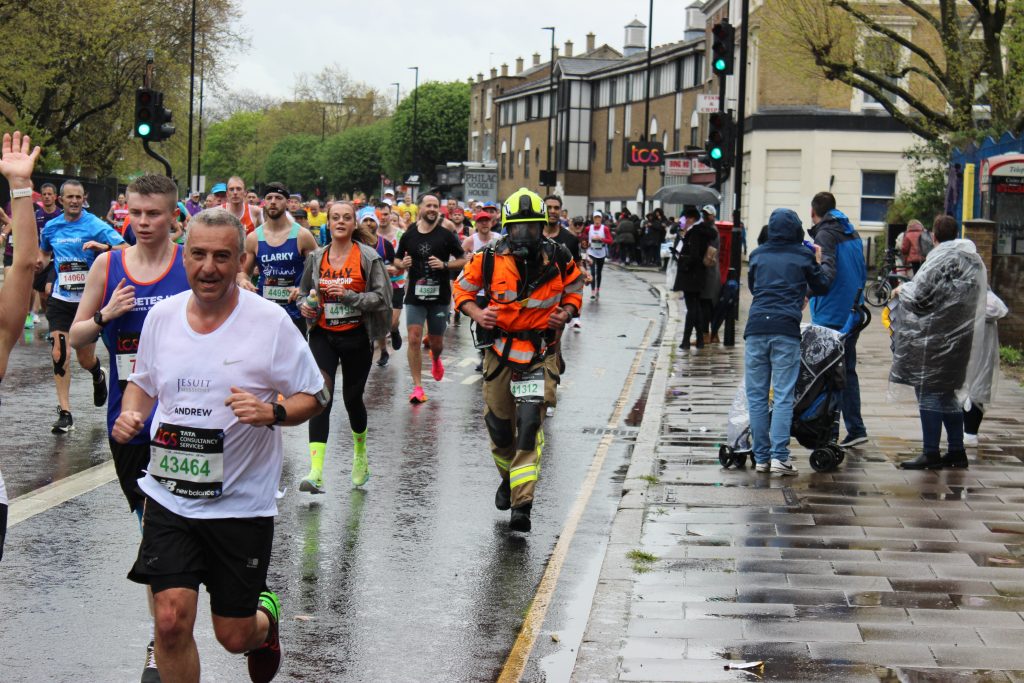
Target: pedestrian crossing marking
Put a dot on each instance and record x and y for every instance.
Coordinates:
(472, 379)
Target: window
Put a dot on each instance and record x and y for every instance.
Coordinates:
(488, 103)
(526, 158)
(604, 93)
(573, 129)
(611, 139)
(504, 158)
(882, 56)
(487, 147)
(476, 107)
(474, 147)
(694, 129)
(876, 194)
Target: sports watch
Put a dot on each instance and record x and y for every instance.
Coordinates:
(280, 414)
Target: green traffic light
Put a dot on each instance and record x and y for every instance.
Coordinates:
(719, 65)
(716, 153)
(144, 129)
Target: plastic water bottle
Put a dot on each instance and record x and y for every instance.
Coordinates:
(313, 301)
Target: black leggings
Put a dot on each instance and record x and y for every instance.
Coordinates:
(596, 266)
(694, 317)
(353, 351)
(3, 528)
(972, 418)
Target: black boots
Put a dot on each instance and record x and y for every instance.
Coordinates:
(955, 459)
(503, 496)
(521, 518)
(928, 460)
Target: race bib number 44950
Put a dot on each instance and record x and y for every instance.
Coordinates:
(188, 461)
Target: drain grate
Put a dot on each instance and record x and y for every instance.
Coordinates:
(790, 495)
(601, 431)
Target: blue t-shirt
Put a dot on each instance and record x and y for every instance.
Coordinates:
(64, 239)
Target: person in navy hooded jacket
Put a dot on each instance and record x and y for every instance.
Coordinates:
(781, 272)
(842, 259)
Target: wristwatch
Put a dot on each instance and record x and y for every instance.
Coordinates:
(21, 192)
(97, 318)
(280, 414)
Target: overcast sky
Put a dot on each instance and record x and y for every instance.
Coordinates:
(447, 39)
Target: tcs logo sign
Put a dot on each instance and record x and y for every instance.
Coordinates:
(646, 154)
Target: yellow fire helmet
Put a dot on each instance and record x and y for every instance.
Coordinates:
(523, 206)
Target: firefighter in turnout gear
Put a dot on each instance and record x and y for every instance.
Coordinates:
(520, 292)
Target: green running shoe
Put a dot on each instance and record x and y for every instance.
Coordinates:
(265, 661)
(312, 484)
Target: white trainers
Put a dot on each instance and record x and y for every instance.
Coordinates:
(784, 469)
(550, 412)
(763, 467)
(970, 439)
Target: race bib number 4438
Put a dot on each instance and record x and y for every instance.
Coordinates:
(188, 461)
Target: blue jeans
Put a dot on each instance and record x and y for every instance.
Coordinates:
(771, 360)
(851, 392)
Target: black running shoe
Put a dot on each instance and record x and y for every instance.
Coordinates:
(99, 389)
(396, 339)
(265, 661)
(64, 424)
(150, 674)
(382, 362)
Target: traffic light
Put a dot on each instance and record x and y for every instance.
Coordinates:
(152, 120)
(723, 43)
(719, 147)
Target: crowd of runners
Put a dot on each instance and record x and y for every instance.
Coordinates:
(268, 297)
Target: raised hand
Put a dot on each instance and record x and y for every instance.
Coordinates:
(17, 157)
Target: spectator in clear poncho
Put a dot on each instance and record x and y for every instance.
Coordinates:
(939, 315)
(982, 377)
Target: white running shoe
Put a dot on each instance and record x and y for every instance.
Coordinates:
(784, 469)
(550, 412)
(763, 467)
(970, 439)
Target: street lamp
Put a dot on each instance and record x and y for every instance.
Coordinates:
(397, 94)
(647, 105)
(415, 130)
(551, 104)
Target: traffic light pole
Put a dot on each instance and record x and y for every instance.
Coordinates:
(155, 155)
(736, 252)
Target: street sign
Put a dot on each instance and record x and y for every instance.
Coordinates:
(707, 103)
(412, 179)
(646, 154)
(677, 167)
(481, 184)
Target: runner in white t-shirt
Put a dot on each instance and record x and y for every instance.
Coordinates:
(216, 453)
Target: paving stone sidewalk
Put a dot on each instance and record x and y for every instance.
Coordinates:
(868, 573)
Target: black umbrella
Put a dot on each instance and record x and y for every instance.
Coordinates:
(696, 195)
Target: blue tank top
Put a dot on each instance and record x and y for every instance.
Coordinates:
(280, 269)
(121, 335)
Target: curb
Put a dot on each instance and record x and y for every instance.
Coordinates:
(598, 658)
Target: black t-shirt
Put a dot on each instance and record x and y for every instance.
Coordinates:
(428, 286)
(571, 242)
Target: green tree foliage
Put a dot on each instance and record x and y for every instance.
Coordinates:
(442, 120)
(70, 70)
(232, 148)
(293, 161)
(351, 160)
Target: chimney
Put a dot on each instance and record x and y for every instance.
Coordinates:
(590, 42)
(504, 70)
(635, 42)
(536, 58)
(494, 72)
(519, 65)
(568, 48)
(479, 78)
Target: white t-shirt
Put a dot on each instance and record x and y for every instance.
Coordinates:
(204, 463)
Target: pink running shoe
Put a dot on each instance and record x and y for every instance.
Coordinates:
(417, 396)
(436, 368)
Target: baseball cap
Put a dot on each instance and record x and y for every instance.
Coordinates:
(709, 208)
(490, 205)
(367, 212)
(295, 195)
(482, 214)
(597, 213)
(219, 188)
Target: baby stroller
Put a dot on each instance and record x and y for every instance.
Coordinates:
(818, 397)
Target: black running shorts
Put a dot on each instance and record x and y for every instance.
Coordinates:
(129, 461)
(42, 277)
(397, 298)
(229, 556)
(60, 314)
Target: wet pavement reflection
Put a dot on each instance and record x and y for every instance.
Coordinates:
(867, 573)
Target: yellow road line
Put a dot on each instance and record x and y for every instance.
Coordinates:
(515, 665)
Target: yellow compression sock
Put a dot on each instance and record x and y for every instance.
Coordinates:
(359, 442)
(316, 458)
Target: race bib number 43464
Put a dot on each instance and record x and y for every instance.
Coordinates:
(188, 461)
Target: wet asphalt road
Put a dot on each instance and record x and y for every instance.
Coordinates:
(414, 578)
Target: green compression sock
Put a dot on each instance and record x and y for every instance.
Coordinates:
(316, 458)
(359, 442)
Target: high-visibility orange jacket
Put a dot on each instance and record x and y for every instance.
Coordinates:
(523, 308)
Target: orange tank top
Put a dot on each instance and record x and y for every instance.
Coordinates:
(334, 315)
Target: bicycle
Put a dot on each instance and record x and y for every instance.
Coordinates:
(877, 292)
